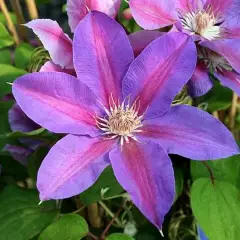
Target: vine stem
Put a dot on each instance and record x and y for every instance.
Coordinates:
(9, 21)
(233, 111)
(32, 9)
(109, 212)
(210, 172)
(92, 236)
(94, 215)
(102, 237)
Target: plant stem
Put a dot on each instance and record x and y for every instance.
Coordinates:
(20, 18)
(216, 115)
(93, 215)
(210, 172)
(92, 236)
(233, 111)
(109, 212)
(9, 21)
(103, 235)
(32, 9)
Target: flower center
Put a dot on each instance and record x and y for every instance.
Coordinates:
(121, 121)
(213, 60)
(203, 23)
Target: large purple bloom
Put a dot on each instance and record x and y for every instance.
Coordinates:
(118, 112)
(214, 23)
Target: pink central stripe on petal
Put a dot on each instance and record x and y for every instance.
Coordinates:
(156, 81)
(136, 163)
(107, 76)
(74, 111)
(80, 163)
(154, 14)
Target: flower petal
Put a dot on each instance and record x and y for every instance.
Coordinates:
(72, 166)
(224, 8)
(19, 121)
(20, 154)
(229, 79)
(58, 102)
(192, 133)
(102, 55)
(140, 40)
(153, 14)
(109, 7)
(58, 44)
(76, 10)
(50, 66)
(200, 83)
(190, 5)
(145, 172)
(160, 72)
(231, 27)
(228, 48)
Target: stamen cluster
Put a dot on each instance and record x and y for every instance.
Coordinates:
(202, 22)
(121, 121)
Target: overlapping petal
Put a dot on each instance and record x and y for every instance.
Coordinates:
(160, 72)
(140, 40)
(72, 166)
(58, 44)
(224, 8)
(58, 102)
(228, 48)
(190, 5)
(192, 133)
(78, 9)
(153, 14)
(229, 79)
(102, 55)
(50, 66)
(200, 83)
(145, 172)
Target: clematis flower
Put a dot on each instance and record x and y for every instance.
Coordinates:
(211, 62)
(18, 121)
(59, 44)
(119, 112)
(215, 23)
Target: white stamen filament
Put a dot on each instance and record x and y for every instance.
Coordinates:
(202, 22)
(121, 121)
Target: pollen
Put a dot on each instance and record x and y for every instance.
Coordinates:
(203, 23)
(121, 121)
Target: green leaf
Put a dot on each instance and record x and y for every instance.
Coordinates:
(17, 134)
(23, 55)
(8, 73)
(68, 227)
(3, 19)
(227, 169)
(5, 38)
(216, 208)
(119, 236)
(218, 98)
(107, 181)
(21, 217)
(35, 161)
(5, 56)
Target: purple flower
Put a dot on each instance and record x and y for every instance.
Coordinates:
(59, 44)
(215, 23)
(19, 121)
(119, 112)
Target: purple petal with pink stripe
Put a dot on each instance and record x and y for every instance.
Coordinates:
(72, 166)
(145, 172)
(58, 44)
